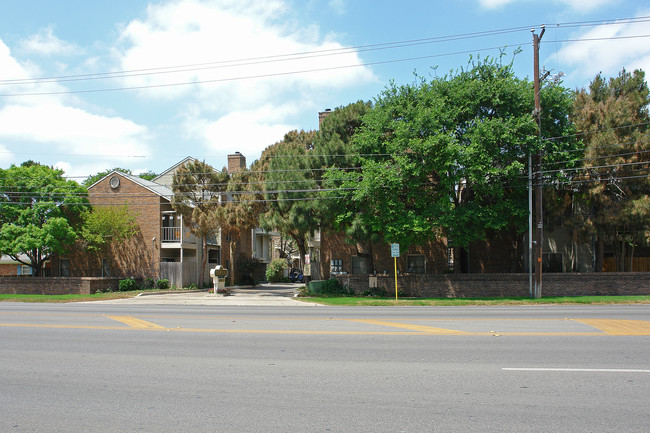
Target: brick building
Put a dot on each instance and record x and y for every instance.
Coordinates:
(163, 246)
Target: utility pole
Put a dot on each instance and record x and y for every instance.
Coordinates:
(538, 168)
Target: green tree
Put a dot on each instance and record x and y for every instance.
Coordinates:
(447, 157)
(148, 175)
(105, 225)
(240, 213)
(40, 212)
(198, 191)
(290, 189)
(613, 119)
(333, 151)
(92, 179)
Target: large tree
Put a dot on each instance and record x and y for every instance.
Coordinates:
(40, 213)
(90, 180)
(290, 189)
(333, 151)
(198, 192)
(613, 119)
(446, 157)
(240, 212)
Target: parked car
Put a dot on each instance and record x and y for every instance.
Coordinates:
(295, 276)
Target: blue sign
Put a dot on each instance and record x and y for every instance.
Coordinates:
(394, 250)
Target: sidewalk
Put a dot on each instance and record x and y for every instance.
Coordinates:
(262, 295)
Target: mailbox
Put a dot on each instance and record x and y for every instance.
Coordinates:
(219, 274)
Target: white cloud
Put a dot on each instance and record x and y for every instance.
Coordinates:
(574, 5)
(17, 79)
(243, 57)
(584, 5)
(47, 126)
(338, 6)
(73, 131)
(248, 132)
(45, 43)
(605, 53)
(6, 156)
(494, 4)
(227, 41)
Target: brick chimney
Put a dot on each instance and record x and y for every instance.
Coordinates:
(322, 115)
(236, 162)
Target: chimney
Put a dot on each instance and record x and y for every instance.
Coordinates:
(236, 162)
(322, 115)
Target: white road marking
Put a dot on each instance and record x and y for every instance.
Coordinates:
(587, 370)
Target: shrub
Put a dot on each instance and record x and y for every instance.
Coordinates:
(333, 287)
(375, 292)
(149, 283)
(246, 268)
(275, 270)
(128, 285)
(162, 284)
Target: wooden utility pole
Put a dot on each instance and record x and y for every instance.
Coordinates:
(538, 169)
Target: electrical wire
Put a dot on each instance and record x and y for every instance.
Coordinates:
(312, 53)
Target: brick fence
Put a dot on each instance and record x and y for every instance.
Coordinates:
(505, 285)
(56, 286)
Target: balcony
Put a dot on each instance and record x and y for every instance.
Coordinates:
(172, 235)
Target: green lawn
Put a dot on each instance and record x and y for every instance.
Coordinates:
(79, 298)
(353, 301)
(67, 298)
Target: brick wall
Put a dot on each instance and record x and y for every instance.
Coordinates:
(334, 247)
(138, 257)
(7, 270)
(56, 286)
(506, 285)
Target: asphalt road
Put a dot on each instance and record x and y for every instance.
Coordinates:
(170, 368)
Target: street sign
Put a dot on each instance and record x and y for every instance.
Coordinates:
(394, 252)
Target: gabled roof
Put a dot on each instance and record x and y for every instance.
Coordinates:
(174, 167)
(154, 187)
(6, 260)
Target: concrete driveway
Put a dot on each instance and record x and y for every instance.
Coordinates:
(263, 295)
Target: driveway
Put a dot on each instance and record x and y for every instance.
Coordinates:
(263, 294)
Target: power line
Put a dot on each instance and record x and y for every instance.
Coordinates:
(313, 53)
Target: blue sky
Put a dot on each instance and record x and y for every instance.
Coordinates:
(207, 78)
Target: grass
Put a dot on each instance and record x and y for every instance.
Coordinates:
(355, 301)
(76, 298)
(358, 301)
(67, 298)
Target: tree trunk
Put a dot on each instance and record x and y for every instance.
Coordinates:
(600, 253)
(204, 259)
(516, 251)
(620, 267)
(364, 249)
(231, 271)
(302, 248)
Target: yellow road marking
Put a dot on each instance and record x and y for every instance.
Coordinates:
(602, 327)
(136, 323)
(619, 327)
(427, 329)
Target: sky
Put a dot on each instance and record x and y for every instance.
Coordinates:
(86, 86)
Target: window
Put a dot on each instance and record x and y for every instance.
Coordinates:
(106, 270)
(64, 267)
(552, 262)
(336, 266)
(415, 264)
(359, 265)
(214, 257)
(24, 270)
(450, 258)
